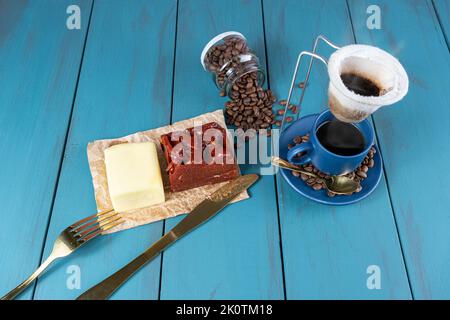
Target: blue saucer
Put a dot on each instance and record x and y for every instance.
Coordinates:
(302, 127)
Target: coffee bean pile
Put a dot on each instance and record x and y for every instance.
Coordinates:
(318, 184)
(250, 106)
(221, 58)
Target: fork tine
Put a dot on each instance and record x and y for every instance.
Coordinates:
(108, 226)
(104, 215)
(114, 224)
(82, 221)
(85, 230)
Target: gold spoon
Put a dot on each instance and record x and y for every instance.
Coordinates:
(336, 184)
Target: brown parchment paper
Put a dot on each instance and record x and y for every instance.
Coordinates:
(176, 202)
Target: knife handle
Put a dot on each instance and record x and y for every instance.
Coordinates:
(106, 288)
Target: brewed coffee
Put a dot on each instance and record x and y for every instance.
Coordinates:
(360, 85)
(341, 138)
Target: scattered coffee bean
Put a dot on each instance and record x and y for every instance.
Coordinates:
(282, 102)
(361, 173)
(308, 168)
(298, 140)
(289, 119)
(317, 186)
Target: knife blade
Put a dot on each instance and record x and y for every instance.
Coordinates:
(201, 213)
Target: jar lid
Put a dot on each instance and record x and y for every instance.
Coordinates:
(216, 39)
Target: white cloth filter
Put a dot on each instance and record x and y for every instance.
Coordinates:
(371, 63)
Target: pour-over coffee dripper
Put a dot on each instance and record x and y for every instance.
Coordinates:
(367, 62)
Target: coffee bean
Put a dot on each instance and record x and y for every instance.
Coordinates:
(304, 177)
(283, 102)
(289, 119)
(295, 173)
(371, 163)
(298, 140)
(301, 85)
(317, 186)
(361, 174)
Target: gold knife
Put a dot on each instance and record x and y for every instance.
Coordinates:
(204, 211)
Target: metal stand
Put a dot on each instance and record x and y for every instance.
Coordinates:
(313, 56)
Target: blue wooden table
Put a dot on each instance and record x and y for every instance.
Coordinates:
(134, 65)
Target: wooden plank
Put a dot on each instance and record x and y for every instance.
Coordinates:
(39, 63)
(326, 249)
(236, 255)
(418, 186)
(125, 86)
(442, 8)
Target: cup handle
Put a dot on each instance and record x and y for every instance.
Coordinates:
(302, 147)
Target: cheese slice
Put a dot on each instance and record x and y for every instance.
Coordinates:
(134, 176)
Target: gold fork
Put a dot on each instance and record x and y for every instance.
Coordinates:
(71, 239)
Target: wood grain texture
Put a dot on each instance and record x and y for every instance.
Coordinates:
(236, 255)
(414, 138)
(326, 249)
(125, 86)
(442, 9)
(39, 63)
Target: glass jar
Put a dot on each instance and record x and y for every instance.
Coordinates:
(228, 57)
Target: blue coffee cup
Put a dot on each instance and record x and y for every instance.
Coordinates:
(324, 160)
